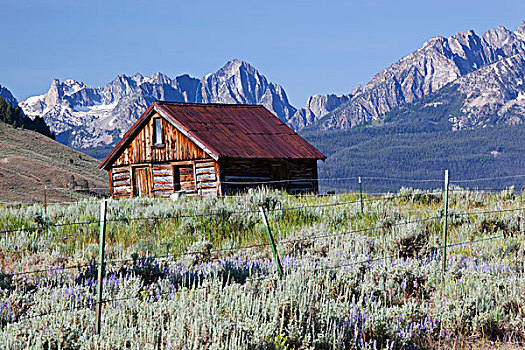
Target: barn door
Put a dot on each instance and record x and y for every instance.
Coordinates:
(141, 181)
(184, 178)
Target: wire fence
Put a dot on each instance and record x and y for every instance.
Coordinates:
(92, 303)
(378, 197)
(104, 191)
(370, 199)
(211, 213)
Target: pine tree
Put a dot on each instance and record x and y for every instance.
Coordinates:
(10, 114)
(15, 117)
(3, 108)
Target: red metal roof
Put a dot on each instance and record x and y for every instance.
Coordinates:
(229, 131)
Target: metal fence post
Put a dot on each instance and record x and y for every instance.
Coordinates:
(103, 207)
(361, 195)
(272, 243)
(445, 222)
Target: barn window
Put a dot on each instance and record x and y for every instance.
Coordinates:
(183, 178)
(157, 131)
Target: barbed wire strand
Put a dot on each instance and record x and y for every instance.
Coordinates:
(285, 241)
(352, 263)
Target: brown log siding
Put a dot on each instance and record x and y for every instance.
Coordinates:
(162, 180)
(238, 175)
(121, 182)
(206, 177)
(176, 146)
(303, 176)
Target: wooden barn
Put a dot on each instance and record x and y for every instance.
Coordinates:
(202, 149)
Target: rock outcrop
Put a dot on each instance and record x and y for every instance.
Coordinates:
(495, 94)
(240, 83)
(8, 96)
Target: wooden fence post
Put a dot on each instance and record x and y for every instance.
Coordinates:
(103, 207)
(445, 222)
(272, 243)
(45, 201)
(361, 195)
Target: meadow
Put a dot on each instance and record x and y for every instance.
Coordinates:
(198, 273)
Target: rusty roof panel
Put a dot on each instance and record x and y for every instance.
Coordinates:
(240, 131)
(228, 131)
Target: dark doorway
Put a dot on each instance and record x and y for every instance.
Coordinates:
(279, 173)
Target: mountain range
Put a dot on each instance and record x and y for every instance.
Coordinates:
(463, 82)
(487, 68)
(438, 62)
(86, 117)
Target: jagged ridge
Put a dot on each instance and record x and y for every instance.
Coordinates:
(439, 62)
(85, 117)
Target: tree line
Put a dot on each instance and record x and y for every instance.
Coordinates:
(15, 116)
(468, 154)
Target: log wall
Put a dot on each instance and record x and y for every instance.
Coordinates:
(294, 176)
(162, 180)
(175, 147)
(120, 181)
(303, 176)
(206, 177)
(240, 175)
(197, 177)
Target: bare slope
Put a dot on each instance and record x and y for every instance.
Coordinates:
(29, 161)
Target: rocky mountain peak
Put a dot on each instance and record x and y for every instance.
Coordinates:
(521, 29)
(316, 106)
(159, 78)
(499, 38)
(239, 82)
(54, 93)
(437, 63)
(8, 96)
(235, 65)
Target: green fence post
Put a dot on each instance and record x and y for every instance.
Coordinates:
(101, 242)
(272, 243)
(445, 222)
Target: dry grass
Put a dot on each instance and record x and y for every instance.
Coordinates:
(29, 161)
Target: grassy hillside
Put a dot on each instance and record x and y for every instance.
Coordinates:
(29, 161)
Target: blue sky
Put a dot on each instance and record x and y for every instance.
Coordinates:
(307, 47)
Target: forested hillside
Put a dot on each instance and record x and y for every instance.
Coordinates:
(384, 152)
(15, 117)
